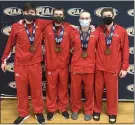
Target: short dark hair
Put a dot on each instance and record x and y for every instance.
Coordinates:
(59, 8)
(29, 6)
(107, 9)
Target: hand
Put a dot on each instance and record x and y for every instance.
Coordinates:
(4, 67)
(122, 73)
(21, 21)
(92, 28)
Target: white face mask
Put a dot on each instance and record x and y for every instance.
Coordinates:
(84, 23)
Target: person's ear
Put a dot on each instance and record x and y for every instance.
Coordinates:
(90, 20)
(113, 16)
(79, 19)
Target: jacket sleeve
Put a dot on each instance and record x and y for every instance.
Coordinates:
(44, 22)
(125, 51)
(9, 45)
(98, 36)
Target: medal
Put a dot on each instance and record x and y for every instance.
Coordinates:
(58, 38)
(109, 40)
(32, 49)
(84, 36)
(31, 37)
(58, 49)
(107, 51)
(84, 54)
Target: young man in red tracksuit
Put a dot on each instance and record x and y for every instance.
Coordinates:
(27, 37)
(112, 60)
(83, 67)
(57, 53)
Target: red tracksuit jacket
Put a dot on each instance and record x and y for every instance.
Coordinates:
(119, 57)
(55, 60)
(18, 37)
(78, 64)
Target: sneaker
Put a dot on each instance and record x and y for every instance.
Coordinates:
(96, 116)
(40, 118)
(87, 117)
(112, 119)
(74, 116)
(50, 116)
(65, 115)
(20, 120)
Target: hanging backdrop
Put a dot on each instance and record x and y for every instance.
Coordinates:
(11, 12)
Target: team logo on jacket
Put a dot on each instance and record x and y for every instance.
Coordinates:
(98, 11)
(6, 30)
(74, 11)
(130, 31)
(130, 87)
(131, 50)
(12, 84)
(131, 69)
(44, 11)
(12, 11)
(10, 67)
(130, 12)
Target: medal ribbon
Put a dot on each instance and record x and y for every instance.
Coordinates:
(58, 38)
(31, 37)
(84, 38)
(109, 37)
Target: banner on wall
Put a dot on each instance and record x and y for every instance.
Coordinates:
(11, 12)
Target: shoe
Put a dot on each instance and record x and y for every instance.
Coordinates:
(65, 115)
(20, 120)
(74, 116)
(87, 117)
(50, 116)
(112, 119)
(40, 118)
(96, 116)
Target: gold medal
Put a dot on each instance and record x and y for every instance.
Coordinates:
(32, 48)
(84, 54)
(58, 49)
(107, 51)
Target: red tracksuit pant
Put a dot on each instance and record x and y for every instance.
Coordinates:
(25, 76)
(76, 92)
(110, 81)
(57, 90)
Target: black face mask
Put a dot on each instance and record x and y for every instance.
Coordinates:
(58, 19)
(107, 20)
(30, 17)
